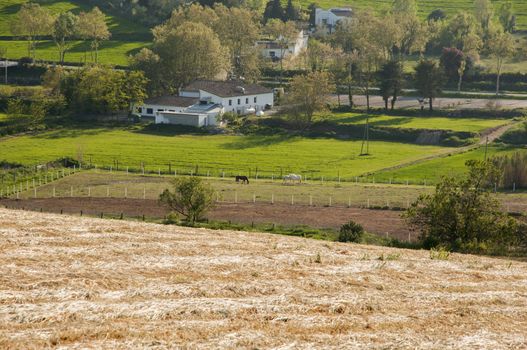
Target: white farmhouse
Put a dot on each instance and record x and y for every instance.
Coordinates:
(233, 96)
(203, 101)
(271, 48)
(327, 19)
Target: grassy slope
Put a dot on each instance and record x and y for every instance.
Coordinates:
(426, 6)
(432, 170)
(113, 52)
(235, 154)
(435, 123)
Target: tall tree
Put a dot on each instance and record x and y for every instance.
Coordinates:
(483, 11)
(283, 33)
(390, 82)
(309, 94)
(464, 33)
(273, 10)
(501, 47)
(92, 26)
(64, 29)
(182, 54)
(436, 15)
(291, 13)
(32, 22)
(405, 7)
(507, 17)
(454, 64)
(428, 80)
(318, 55)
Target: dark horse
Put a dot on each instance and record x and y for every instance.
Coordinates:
(243, 179)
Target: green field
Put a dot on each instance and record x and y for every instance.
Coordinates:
(425, 6)
(272, 155)
(111, 52)
(432, 123)
(131, 35)
(432, 170)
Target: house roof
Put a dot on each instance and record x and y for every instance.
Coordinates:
(177, 101)
(342, 12)
(228, 88)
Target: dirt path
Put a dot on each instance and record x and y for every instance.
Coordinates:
(381, 222)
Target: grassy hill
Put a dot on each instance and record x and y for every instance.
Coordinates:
(425, 6)
(75, 282)
(127, 36)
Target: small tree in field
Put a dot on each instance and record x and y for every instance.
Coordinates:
(351, 232)
(462, 214)
(191, 197)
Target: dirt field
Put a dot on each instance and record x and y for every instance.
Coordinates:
(382, 222)
(73, 282)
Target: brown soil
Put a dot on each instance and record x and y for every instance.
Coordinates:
(382, 222)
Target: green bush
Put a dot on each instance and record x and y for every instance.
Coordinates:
(351, 232)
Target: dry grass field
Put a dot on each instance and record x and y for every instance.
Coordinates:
(70, 282)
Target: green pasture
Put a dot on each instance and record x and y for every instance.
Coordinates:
(432, 170)
(425, 122)
(8, 9)
(425, 6)
(110, 52)
(272, 155)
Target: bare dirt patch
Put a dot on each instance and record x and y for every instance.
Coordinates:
(88, 283)
(382, 222)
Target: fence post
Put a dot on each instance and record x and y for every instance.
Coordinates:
(53, 191)
(514, 187)
(349, 202)
(330, 201)
(89, 191)
(175, 173)
(254, 198)
(127, 170)
(272, 198)
(235, 197)
(34, 192)
(292, 199)
(125, 192)
(368, 205)
(108, 191)
(159, 171)
(144, 192)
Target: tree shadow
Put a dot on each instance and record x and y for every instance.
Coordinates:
(254, 141)
(169, 130)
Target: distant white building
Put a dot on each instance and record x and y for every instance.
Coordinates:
(203, 101)
(271, 48)
(327, 19)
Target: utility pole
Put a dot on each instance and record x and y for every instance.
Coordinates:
(486, 147)
(366, 138)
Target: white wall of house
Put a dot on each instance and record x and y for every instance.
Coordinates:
(242, 104)
(327, 20)
(151, 110)
(269, 49)
(185, 118)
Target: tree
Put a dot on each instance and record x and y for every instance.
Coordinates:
(318, 55)
(428, 80)
(483, 11)
(291, 12)
(454, 63)
(351, 232)
(312, 8)
(283, 33)
(500, 46)
(32, 22)
(102, 90)
(391, 81)
(405, 7)
(180, 55)
(3, 54)
(436, 15)
(309, 94)
(464, 33)
(507, 17)
(191, 197)
(273, 10)
(92, 26)
(462, 215)
(64, 28)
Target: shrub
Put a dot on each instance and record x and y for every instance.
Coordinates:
(351, 232)
(191, 198)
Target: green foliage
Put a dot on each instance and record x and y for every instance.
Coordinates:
(462, 215)
(390, 82)
(191, 198)
(513, 169)
(439, 253)
(428, 80)
(516, 135)
(351, 232)
(102, 90)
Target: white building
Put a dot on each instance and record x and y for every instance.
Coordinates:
(233, 96)
(327, 20)
(203, 101)
(271, 48)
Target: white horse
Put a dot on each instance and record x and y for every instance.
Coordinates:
(292, 178)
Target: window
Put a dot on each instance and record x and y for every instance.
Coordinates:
(230, 102)
(272, 54)
(247, 100)
(239, 101)
(149, 111)
(255, 99)
(160, 110)
(139, 110)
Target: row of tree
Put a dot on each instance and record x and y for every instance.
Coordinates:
(34, 22)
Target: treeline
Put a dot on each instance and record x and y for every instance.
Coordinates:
(513, 169)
